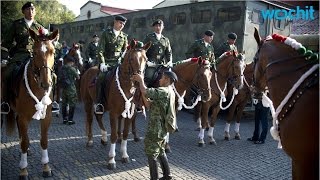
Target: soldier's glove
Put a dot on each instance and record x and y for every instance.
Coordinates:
(90, 60)
(78, 71)
(60, 59)
(151, 64)
(103, 67)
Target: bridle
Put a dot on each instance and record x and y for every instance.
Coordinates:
(130, 59)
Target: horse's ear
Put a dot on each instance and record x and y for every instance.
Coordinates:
(132, 43)
(200, 60)
(257, 36)
(54, 35)
(33, 34)
(147, 46)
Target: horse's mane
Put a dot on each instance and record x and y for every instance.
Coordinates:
(184, 63)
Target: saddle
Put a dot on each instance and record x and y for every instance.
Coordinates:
(153, 75)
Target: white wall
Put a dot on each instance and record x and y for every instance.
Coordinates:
(95, 12)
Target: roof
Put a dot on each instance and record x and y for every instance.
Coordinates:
(114, 10)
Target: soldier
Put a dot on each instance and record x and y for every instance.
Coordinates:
(112, 45)
(160, 51)
(203, 47)
(68, 76)
(92, 51)
(229, 45)
(162, 120)
(20, 45)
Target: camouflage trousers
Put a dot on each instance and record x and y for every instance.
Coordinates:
(69, 96)
(154, 146)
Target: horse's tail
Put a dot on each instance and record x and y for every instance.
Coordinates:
(11, 123)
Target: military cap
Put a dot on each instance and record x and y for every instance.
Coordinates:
(95, 36)
(209, 33)
(120, 18)
(27, 5)
(158, 21)
(232, 36)
(171, 75)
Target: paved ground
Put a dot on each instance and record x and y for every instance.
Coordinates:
(70, 159)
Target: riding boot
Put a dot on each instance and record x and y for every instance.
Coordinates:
(153, 167)
(64, 114)
(165, 167)
(70, 117)
(98, 107)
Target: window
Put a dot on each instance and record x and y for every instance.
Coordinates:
(229, 14)
(256, 17)
(89, 14)
(81, 29)
(139, 22)
(89, 28)
(203, 16)
(279, 24)
(179, 18)
(99, 26)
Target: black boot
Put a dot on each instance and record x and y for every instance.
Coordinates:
(64, 114)
(98, 107)
(153, 168)
(165, 167)
(71, 113)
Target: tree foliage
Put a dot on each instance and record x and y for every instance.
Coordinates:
(47, 12)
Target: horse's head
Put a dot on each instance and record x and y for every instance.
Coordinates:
(43, 60)
(74, 53)
(202, 79)
(135, 58)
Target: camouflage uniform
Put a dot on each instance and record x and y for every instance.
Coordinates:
(157, 127)
(92, 52)
(111, 47)
(69, 94)
(224, 48)
(160, 51)
(199, 48)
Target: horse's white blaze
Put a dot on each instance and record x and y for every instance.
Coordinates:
(166, 139)
(44, 158)
(23, 161)
(210, 132)
(43, 47)
(112, 154)
(201, 134)
(237, 127)
(79, 57)
(104, 135)
(123, 149)
(227, 127)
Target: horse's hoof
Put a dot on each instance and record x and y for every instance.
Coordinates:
(201, 143)
(125, 160)
(177, 130)
(167, 150)
(104, 142)
(227, 138)
(23, 177)
(47, 174)
(237, 137)
(137, 139)
(111, 166)
(29, 152)
(212, 141)
(89, 144)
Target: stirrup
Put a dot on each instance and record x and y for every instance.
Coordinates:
(98, 109)
(6, 110)
(55, 107)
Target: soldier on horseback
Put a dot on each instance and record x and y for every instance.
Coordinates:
(229, 45)
(112, 46)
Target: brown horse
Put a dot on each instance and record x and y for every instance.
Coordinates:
(239, 103)
(230, 68)
(119, 98)
(33, 101)
(293, 83)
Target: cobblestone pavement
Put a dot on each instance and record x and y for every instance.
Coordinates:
(71, 159)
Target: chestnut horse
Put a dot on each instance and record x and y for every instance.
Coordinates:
(119, 98)
(230, 68)
(292, 77)
(33, 100)
(239, 103)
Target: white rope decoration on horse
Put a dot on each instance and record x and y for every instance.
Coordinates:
(181, 99)
(126, 113)
(41, 106)
(222, 96)
(266, 101)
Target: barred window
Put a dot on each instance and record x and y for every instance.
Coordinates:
(203, 16)
(229, 14)
(179, 18)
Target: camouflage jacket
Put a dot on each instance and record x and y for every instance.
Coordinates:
(198, 48)
(19, 33)
(224, 48)
(92, 51)
(160, 51)
(111, 47)
(69, 74)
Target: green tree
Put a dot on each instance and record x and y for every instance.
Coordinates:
(48, 12)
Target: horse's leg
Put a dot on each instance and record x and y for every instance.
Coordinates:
(134, 129)
(229, 118)
(204, 122)
(113, 139)
(119, 130)
(89, 113)
(197, 115)
(24, 144)
(123, 149)
(45, 124)
(214, 115)
(239, 113)
(104, 138)
(305, 169)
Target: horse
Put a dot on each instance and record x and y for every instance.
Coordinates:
(239, 103)
(119, 97)
(292, 76)
(35, 83)
(230, 68)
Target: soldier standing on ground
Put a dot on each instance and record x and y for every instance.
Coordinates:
(229, 45)
(113, 44)
(92, 52)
